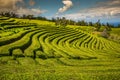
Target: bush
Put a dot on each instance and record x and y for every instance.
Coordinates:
(61, 22)
(105, 33)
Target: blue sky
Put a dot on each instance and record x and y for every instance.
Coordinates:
(92, 10)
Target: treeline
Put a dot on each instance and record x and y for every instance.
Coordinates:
(63, 21)
(9, 14)
(82, 22)
(24, 16)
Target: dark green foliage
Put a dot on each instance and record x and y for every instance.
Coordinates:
(41, 18)
(71, 22)
(53, 20)
(9, 14)
(97, 25)
(82, 23)
(106, 31)
(57, 22)
(28, 17)
(118, 25)
(61, 22)
(108, 26)
(90, 24)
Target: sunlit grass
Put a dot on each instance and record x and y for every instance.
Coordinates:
(38, 50)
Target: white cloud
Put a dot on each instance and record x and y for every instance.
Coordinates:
(67, 4)
(110, 3)
(33, 11)
(6, 5)
(18, 6)
(107, 9)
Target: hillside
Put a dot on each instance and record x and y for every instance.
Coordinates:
(38, 50)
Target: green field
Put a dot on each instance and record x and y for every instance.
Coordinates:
(38, 50)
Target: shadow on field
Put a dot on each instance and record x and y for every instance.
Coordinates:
(2, 54)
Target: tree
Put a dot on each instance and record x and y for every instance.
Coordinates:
(118, 26)
(2, 13)
(57, 22)
(97, 25)
(105, 33)
(108, 27)
(61, 22)
(41, 18)
(71, 22)
(29, 16)
(90, 24)
(24, 16)
(53, 19)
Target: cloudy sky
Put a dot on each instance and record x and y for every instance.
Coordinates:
(89, 10)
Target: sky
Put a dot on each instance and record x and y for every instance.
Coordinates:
(88, 10)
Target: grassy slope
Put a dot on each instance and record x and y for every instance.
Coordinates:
(105, 67)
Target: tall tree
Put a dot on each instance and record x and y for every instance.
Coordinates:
(97, 25)
(90, 24)
(57, 22)
(61, 22)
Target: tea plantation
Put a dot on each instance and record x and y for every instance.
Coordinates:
(38, 50)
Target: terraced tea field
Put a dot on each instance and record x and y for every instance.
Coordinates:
(38, 50)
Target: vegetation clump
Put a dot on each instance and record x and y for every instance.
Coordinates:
(61, 22)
